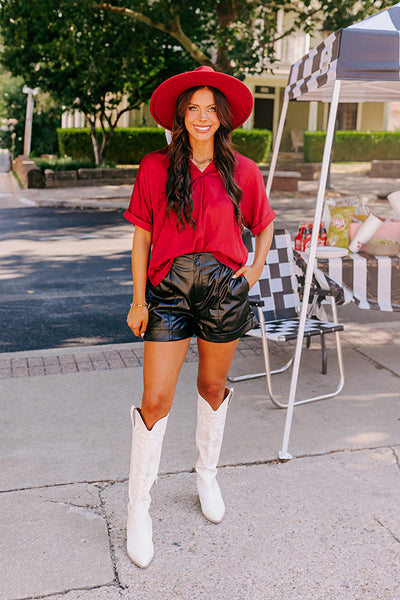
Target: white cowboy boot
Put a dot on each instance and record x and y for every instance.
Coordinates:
(209, 433)
(145, 460)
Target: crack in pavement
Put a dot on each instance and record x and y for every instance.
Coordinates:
(85, 509)
(377, 364)
(396, 457)
(386, 529)
(62, 484)
(109, 528)
(271, 461)
(95, 510)
(78, 589)
(100, 509)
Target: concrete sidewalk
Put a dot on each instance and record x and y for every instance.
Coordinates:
(346, 185)
(322, 526)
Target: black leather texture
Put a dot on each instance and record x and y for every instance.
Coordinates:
(199, 296)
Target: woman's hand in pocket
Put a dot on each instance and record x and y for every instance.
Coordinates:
(251, 273)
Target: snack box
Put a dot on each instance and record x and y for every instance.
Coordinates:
(389, 230)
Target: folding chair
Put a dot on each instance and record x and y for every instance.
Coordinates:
(297, 139)
(276, 304)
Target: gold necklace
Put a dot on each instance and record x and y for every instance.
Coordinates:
(203, 163)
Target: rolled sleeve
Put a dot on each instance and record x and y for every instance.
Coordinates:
(135, 220)
(255, 206)
(140, 211)
(264, 223)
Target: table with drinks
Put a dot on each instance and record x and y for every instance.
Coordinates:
(373, 282)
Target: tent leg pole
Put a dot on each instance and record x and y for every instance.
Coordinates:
(277, 145)
(283, 454)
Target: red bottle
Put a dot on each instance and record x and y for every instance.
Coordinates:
(323, 236)
(307, 236)
(303, 238)
(298, 245)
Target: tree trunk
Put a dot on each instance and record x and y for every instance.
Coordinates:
(95, 142)
(105, 142)
(107, 131)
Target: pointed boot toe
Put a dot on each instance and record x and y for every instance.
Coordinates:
(212, 504)
(139, 545)
(145, 459)
(209, 434)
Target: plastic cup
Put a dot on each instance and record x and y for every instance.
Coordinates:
(365, 233)
(394, 199)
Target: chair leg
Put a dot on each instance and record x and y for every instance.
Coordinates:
(285, 367)
(324, 358)
(276, 402)
(323, 355)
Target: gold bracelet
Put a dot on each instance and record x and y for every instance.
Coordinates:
(134, 305)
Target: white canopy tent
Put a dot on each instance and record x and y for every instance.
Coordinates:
(360, 63)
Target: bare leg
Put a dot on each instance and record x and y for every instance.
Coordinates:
(161, 368)
(214, 363)
(162, 363)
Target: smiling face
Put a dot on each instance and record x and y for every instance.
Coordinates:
(201, 120)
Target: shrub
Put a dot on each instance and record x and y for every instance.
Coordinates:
(129, 144)
(253, 143)
(64, 164)
(356, 146)
(76, 143)
(367, 145)
(314, 145)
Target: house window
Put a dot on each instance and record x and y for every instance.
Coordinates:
(264, 90)
(347, 116)
(264, 97)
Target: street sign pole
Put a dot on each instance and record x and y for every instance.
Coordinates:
(28, 119)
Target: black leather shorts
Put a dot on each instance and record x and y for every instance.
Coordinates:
(198, 297)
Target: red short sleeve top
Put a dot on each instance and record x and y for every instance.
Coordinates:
(216, 230)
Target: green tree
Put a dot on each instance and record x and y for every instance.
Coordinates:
(238, 36)
(336, 14)
(46, 118)
(87, 60)
(91, 54)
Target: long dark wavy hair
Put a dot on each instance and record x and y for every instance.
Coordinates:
(179, 187)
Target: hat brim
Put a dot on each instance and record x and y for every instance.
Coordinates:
(163, 100)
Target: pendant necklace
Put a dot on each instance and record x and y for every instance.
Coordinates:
(203, 163)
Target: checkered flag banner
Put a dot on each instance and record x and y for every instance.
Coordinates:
(365, 56)
(315, 69)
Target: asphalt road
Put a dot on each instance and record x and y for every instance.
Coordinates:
(65, 278)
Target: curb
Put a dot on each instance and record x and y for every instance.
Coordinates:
(109, 204)
(56, 361)
(60, 361)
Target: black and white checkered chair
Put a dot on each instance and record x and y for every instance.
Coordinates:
(276, 304)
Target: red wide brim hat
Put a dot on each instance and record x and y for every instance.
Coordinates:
(163, 100)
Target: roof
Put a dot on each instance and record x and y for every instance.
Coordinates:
(364, 56)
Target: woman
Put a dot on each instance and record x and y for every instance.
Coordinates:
(189, 205)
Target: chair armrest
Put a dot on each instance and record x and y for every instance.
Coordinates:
(336, 290)
(256, 302)
(319, 291)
